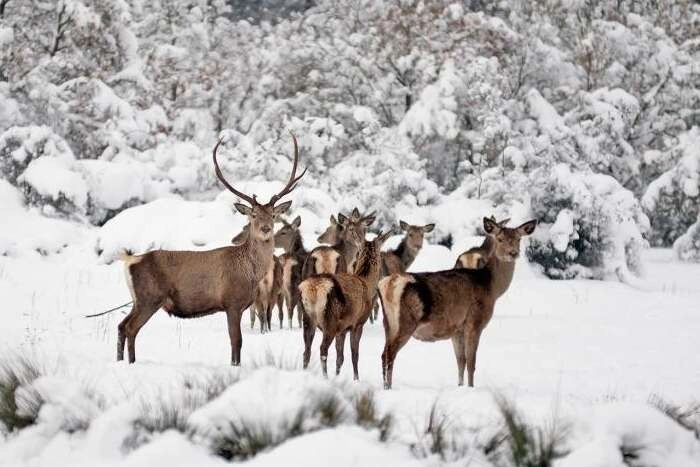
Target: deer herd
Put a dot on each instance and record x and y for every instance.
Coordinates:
(334, 288)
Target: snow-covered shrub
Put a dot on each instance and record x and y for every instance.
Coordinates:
(687, 246)
(54, 185)
(28, 232)
(112, 187)
(590, 226)
(172, 224)
(672, 201)
(21, 144)
(389, 180)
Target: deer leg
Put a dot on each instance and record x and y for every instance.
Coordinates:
(309, 331)
(252, 317)
(472, 346)
(339, 348)
(268, 314)
(391, 349)
(280, 309)
(233, 317)
(325, 344)
(121, 333)
(355, 337)
(460, 354)
(141, 316)
(296, 303)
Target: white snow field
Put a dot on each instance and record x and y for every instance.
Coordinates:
(588, 353)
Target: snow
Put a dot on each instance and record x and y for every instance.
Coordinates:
(27, 233)
(562, 230)
(550, 342)
(175, 223)
(52, 177)
(113, 184)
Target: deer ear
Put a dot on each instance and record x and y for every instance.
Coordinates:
(355, 213)
(428, 228)
(333, 220)
(403, 225)
(243, 209)
(490, 225)
(296, 222)
(341, 218)
(527, 228)
(368, 220)
(281, 208)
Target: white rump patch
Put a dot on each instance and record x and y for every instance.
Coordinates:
(391, 289)
(314, 295)
(326, 261)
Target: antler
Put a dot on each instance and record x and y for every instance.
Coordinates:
(293, 179)
(220, 176)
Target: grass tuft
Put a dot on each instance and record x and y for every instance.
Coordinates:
(688, 417)
(439, 438)
(246, 438)
(366, 415)
(19, 402)
(172, 412)
(526, 445)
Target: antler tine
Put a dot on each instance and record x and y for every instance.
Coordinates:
(221, 178)
(293, 179)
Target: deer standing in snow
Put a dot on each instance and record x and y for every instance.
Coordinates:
(292, 262)
(190, 284)
(455, 304)
(342, 302)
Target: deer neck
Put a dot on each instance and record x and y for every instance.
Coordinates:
(406, 254)
(348, 250)
(297, 249)
(368, 264)
(260, 253)
(501, 271)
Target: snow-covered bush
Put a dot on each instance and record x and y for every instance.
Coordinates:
(26, 232)
(672, 201)
(54, 185)
(20, 145)
(590, 226)
(687, 246)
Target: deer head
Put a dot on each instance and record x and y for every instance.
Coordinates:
(262, 217)
(354, 228)
(415, 234)
(506, 240)
(286, 236)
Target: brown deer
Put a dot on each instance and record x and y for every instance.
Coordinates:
(349, 235)
(269, 290)
(292, 261)
(342, 302)
(455, 304)
(190, 284)
(400, 258)
(475, 257)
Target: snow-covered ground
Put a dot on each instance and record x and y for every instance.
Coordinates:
(590, 352)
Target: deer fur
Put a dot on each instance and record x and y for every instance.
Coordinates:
(341, 303)
(190, 284)
(456, 304)
(400, 258)
(269, 290)
(292, 262)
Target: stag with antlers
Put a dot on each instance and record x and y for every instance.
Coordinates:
(190, 284)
